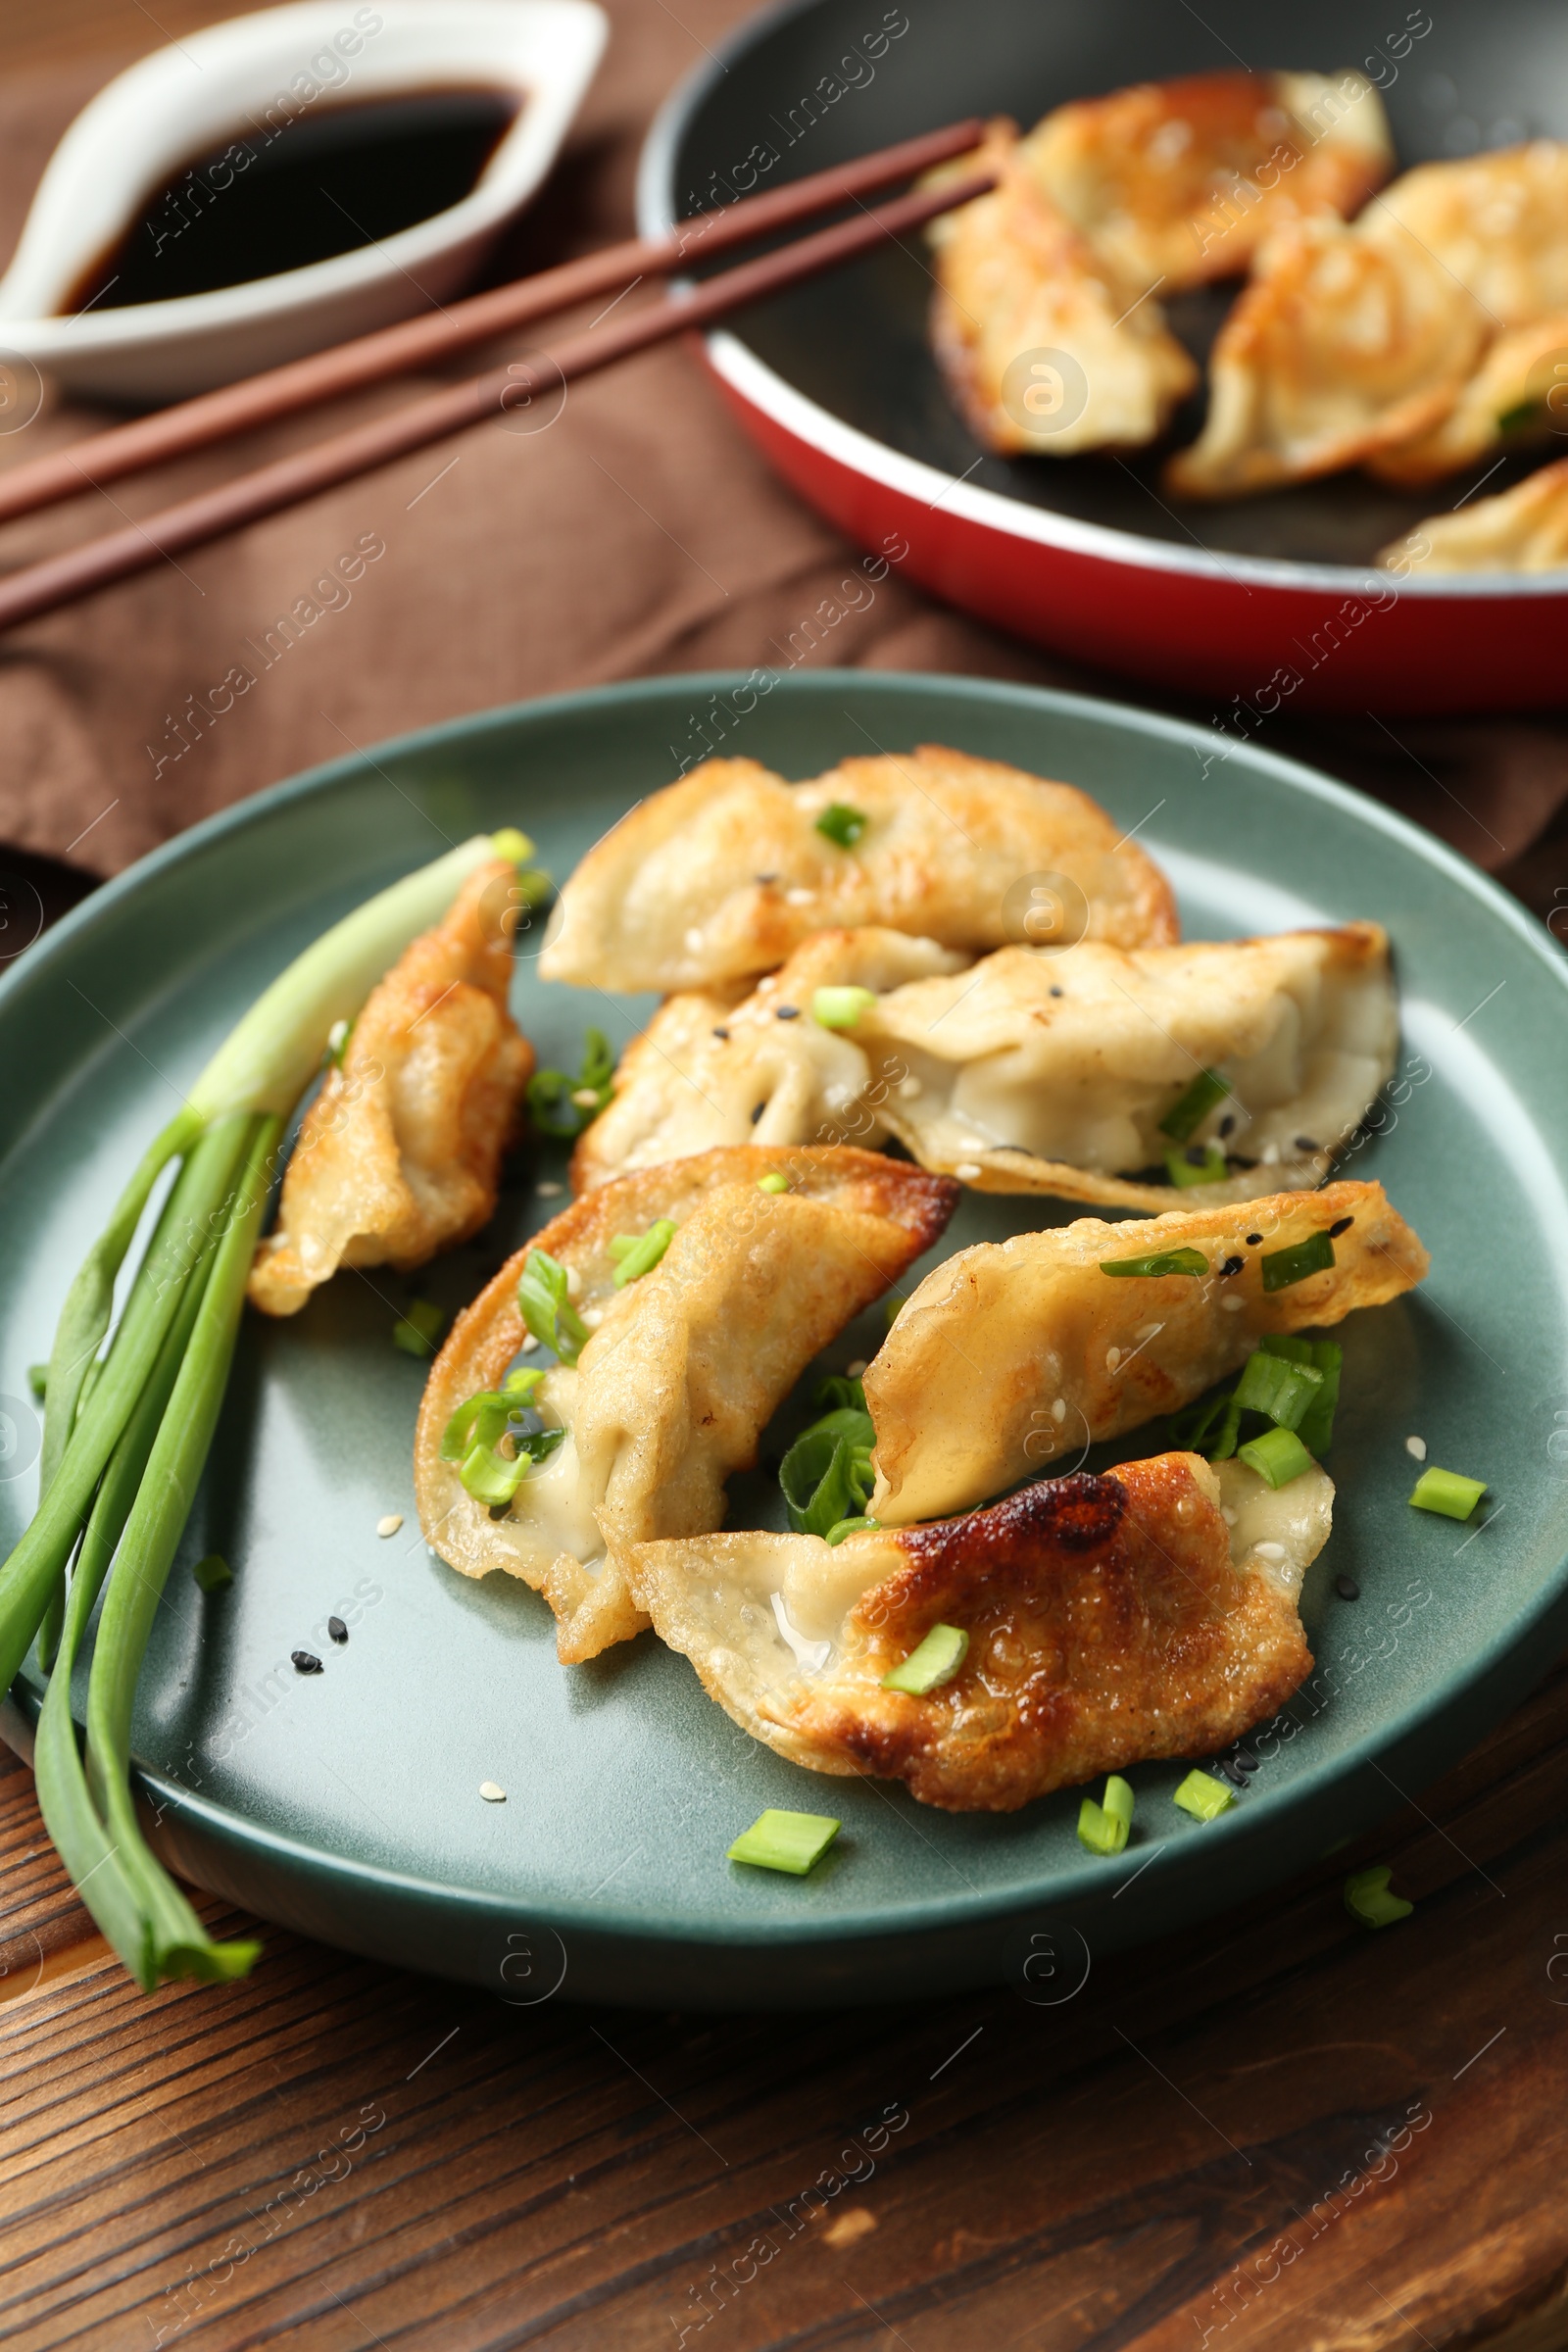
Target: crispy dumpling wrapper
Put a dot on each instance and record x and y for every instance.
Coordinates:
(682, 1368)
(1339, 347)
(1519, 392)
(1148, 1613)
(400, 1154)
(1027, 1072)
(1011, 1354)
(1522, 529)
(1494, 222)
(725, 874)
(1174, 182)
(1017, 280)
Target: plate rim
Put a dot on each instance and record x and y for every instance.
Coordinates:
(1082, 1884)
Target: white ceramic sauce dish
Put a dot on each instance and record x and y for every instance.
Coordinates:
(250, 79)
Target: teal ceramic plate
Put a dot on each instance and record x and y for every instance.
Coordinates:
(346, 1804)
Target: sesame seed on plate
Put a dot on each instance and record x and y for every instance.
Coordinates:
(306, 1662)
(854, 1371)
(389, 1523)
(549, 1191)
(529, 1342)
(337, 1629)
(1417, 1447)
(492, 1792)
(1346, 1587)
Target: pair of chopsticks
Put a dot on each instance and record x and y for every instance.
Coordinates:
(260, 399)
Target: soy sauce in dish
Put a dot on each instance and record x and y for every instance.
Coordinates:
(295, 187)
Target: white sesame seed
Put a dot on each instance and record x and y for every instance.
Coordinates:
(492, 1792)
(573, 1283)
(967, 1170)
(390, 1524)
(1269, 1551)
(1112, 1358)
(1059, 1411)
(586, 1098)
(911, 1089)
(694, 941)
(529, 1342)
(549, 1192)
(1227, 1514)
(1417, 1447)
(1233, 1306)
(857, 1368)
(593, 1316)
(799, 897)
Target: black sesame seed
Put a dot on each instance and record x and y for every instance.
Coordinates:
(1227, 1123)
(1231, 1770)
(758, 1112)
(1304, 1143)
(1346, 1587)
(787, 1013)
(1058, 991)
(764, 879)
(1340, 1225)
(1197, 1155)
(1252, 1240)
(1233, 1265)
(723, 1034)
(1246, 1762)
(337, 1629)
(304, 1663)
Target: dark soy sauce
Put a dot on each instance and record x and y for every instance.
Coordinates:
(297, 186)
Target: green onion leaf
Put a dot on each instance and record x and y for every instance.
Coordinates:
(1278, 1389)
(936, 1661)
(826, 1475)
(1368, 1900)
(1104, 1828)
(849, 1527)
(1184, 1170)
(837, 1391)
(478, 1422)
(1192, 1108)
(491, 1479)
(840, 1008)
(1316, 1428)
(1523, 412)
(546, 1309)
(1157, 1263)
(1283, 1267)
(39, 1381)
(776, 1180)
(1278, 1456)
(841, 824)
(639, 1253)
(1224, 1446)
(518, 1387)
(791, 1841)
(563, 1105)
(1446, 1492)
(417, 1331)
(212, 1573)
(1204, 1797)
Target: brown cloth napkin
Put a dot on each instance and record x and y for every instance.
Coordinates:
(639, 532)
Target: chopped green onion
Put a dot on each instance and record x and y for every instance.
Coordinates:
(1184, 1170)
(478, 1422)
(518, 1387)
(1104, 1828)
(1224, 1446)
(1368, 1900)
(557, 1103)
(1275, 1387)
(1523, 412)
(1192, 1108)
(791, 1841)
(546, 1309)
(849, 1527)
(826, 1475)
(212, 1573)
(337, 1042)
(1283, 1267)
(417, 1331)
(1316, 1428)
(837, 1391)
(1157, 1263)
(639, 1253)
(511, 845)
(840, 1008)
(1201, 1795)
(38, 1380)
(841, 824)
(491, 1479)
(936, 1661)
(1278, 1456)
(776, 1180)
(1446, 1492)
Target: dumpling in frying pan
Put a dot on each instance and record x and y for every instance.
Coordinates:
(1029, 1072)
(725, 874)
(1496, 222)
(666, 1375)
(1011, 1354)
(1015, 281)
(1148, 1613)
(1174, 182)
(1522, 529)
(1519, 392)
(400, 1154)
(1339, 347)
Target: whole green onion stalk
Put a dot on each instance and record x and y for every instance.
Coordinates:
(127, 1425)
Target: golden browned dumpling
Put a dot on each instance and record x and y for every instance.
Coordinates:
(1011, 1354)
(1148, 1613)
(1522, 529)
(725, 874)
(1496, 222)
(1045, 347)
(400, 1154)
(1339, 347)
(1028, 1072)
(666, 1382)
(1519, 389)
(1173, 182)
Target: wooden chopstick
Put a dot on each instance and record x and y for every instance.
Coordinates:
(117, 555)
(193, 424)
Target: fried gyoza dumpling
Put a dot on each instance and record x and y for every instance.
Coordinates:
(1028, 1072)
(400, 1154)
(1339, 347)
(725, 874)
(681, 1368)
(1522, 529)
(1016, 284)
(1520, 386)
(1173, 182)
(1013, 1353)
(1148, 1613)
(1496, 222)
